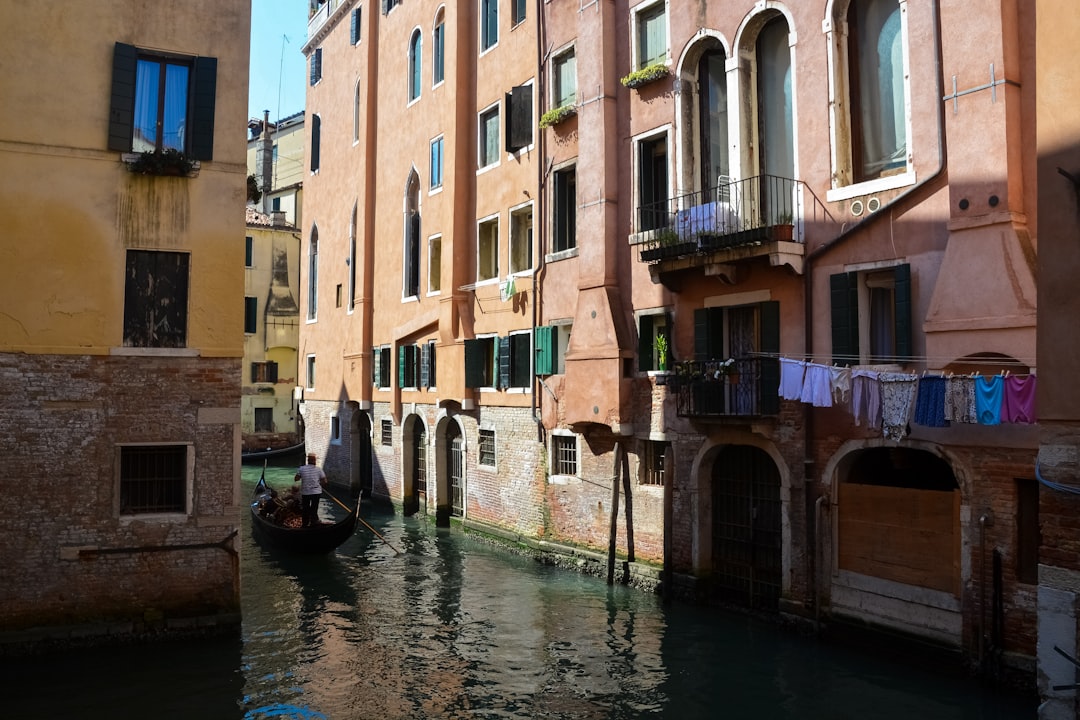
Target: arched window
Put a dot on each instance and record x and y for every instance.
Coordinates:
(356, 113)
(415, 56)
(876, 85)
(438, 49)
(352, 259)
(713, 118)
(313, 273)
(411, 285)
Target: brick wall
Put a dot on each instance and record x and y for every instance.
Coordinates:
(64, 418)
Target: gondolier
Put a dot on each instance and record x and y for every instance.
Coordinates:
(312, 480)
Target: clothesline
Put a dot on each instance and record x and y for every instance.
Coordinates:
(850, 360)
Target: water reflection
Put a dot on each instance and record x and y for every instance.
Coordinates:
(454, 627)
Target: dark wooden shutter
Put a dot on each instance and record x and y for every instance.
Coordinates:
(271, 372)
(414, 256)
(708, 334)
(251, 310)
(122, 102)
(770, 365)
(844, 291)
(254, 372)
(645, 343)
(433, 376)
(316, 65)
(316, 133)
(425, 358)
(545, 350)
(519, 111)
(203, 101)
(502, 349)
(474, 363)
(902, 310)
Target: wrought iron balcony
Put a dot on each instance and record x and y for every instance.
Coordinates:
(764, 214)
(747, 387)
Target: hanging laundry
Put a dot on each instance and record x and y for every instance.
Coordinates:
(1018, 404)
(960, 400)
(816, 389)
(840, 384)
(989, 393)
(897, 400)
(791, 379)
(930, 402)
(866, 397)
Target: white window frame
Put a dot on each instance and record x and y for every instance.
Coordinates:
(486, 428)
(635, 17)
(561, 478)
(555, 59)
(434, 260)
(481, 136)
(441, 140)
(480, 224)
(518, 211)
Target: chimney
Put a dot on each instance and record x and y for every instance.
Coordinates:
(264, 162)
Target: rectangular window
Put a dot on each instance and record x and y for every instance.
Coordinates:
(515, 360)
(264, 372)
(750, 335)
(655, 453)
(518, 10)
(409, 366)
(481, 361)
(156, 299)
(436, 164)
(1028, 537)
(264, 420)
(564, 454)
(275, 205)
(335, 429)
(435, 264)
(310, 372)
(388, 5)
(489, 24)
(439, 52)
(162, 103)
(427, 364)
(652, 36)
(564, 218)
(249, 251)
(354, 33)
(551, 344)
(488, 142)
(487, 250)
(871, 316)
(153, 479)
(651, 327)
(316, 66)
(521, 239)
(387, 432)
(487, 448)
(251, 309)
(316, 139)
(519, 118)
(339, 295)
(564, 79)
(381, 367)
(653, 183)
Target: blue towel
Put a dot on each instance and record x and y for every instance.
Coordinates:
(989, 393)
(930, 402)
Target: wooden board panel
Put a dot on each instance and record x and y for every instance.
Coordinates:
(899, 534)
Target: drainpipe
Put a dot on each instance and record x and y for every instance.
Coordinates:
(266, 161)
(808, 261)
(539, 224)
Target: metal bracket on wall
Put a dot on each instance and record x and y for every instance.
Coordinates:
(992, 86)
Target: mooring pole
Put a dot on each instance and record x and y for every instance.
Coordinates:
(614, 518)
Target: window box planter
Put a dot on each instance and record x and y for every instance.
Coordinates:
(554, 116)
(645, 75)
(161, 162)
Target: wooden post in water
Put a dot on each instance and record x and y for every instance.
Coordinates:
(614, 517)
(629, 507)
(669, 515)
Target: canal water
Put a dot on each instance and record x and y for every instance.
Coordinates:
(454, 627)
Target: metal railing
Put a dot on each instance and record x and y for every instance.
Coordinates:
(732, 214)
(712, 388)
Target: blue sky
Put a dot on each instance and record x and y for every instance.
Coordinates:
(278, 71)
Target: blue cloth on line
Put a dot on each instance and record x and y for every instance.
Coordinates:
(989, 392)
(930, 402)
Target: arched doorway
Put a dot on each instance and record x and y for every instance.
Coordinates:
(414, 464)
(449, 472)
(747, 541)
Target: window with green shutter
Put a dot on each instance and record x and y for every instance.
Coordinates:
(884, 299)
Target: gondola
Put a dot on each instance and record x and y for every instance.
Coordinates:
(272, 452)
(316, 540)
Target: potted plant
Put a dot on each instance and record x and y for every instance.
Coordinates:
(784, 229)
(645, 75)
(661, 344)
(554, 116)
(161, 162)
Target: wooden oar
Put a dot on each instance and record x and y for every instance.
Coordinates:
(357, 511)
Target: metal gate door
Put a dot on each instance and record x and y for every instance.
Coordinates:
(457, 476)
(747, 549)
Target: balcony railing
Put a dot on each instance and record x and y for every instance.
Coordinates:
(763, 208)
(745, 388)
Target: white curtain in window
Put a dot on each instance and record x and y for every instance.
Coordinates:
(147, 81)
(881, 83)
(174, 122)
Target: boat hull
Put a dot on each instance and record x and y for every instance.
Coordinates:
(316, 540)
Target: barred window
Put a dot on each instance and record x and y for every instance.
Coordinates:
(153, 479)
(387, 432)
(487, 448)
(655, 454)
(564, 454)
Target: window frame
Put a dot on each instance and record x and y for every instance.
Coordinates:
(516, 212)
(124, 509)
(438, 50)
(386, 432)
(488, 31)
(415, 74)
(651, 324)
(851, 311)
(653, 465)
(355, 31)
(315, 68)
(313, 275)
(251, 312)
(643, 13)
(482, 140)
(434, 264)
(440, 141)
(482, 362)
(260, 413)
(559, 96)
(649, 192)
(486, 447)
(492, 253)
(563, 215)
(521, 120)
(309, 373)
(563, 445)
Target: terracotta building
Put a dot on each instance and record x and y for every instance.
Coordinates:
(121, 333)
(745, 291)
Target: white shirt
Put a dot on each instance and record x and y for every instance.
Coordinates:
(310, 479)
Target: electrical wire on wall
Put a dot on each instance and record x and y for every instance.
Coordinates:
(1053, 485)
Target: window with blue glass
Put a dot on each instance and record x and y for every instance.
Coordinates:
(415, 57)
(437, 162)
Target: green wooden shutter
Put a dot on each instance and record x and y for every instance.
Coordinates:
(376, 372)
(401, 365)
(204, 97)
(502, 360)
(770, 366)
(902, 311)
(425, 358)
(122, 102)
(844, 289)
(474, 363)
(645, 343)
(545, 350)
